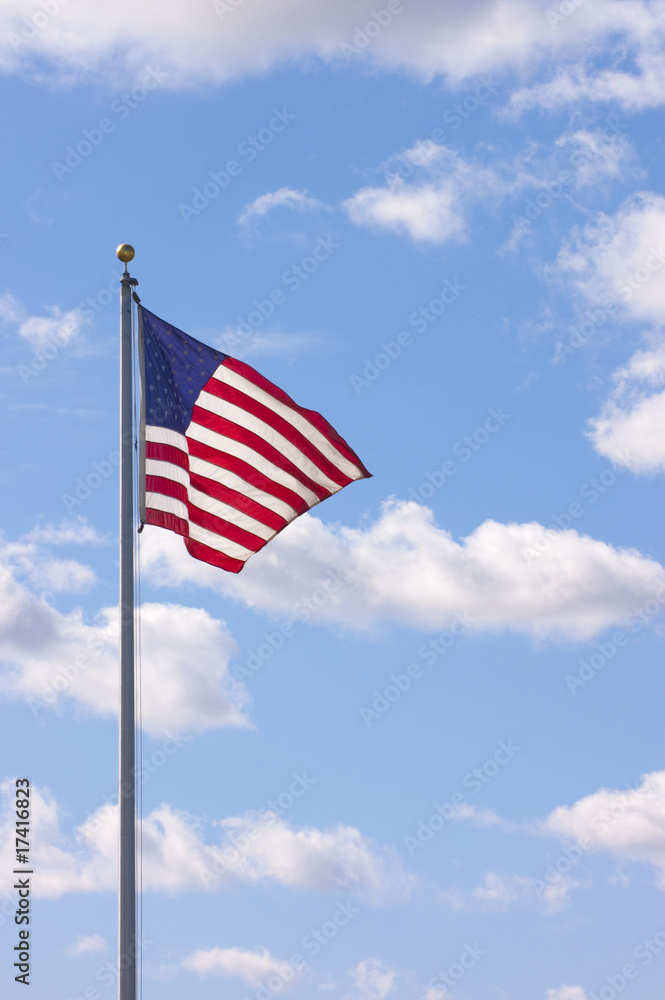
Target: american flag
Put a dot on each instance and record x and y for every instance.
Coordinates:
(230, 459)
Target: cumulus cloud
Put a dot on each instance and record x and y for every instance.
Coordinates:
(252, 848)
(500, 892)
(431, 208)
(373, 980)
(404, 569)
(219, 41)
(57, 328)
(629, 824)
(567, 993)
(88, 944)
(629, 429)
(254, 967)
(283, 198)
(596, 156)
(619, 258)
(50, 657)
(70, 531)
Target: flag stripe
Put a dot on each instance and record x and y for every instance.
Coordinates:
(311, 416)
(213, 557)
(224, 512)
(264, 442)
(214, 488)
(289, 412)
(247, 454)
(241, 407)
(230, 459)
(166, 504)
(227, 465)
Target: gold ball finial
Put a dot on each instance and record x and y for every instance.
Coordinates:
(125, 253)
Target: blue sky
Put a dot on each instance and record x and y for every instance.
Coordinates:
(414, 749)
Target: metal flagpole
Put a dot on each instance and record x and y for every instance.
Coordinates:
(127, 944)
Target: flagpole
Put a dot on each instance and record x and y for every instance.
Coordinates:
(127, 945)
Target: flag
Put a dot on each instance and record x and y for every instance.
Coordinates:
(228, 458)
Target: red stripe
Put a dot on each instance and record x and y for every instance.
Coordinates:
(167, 453)
(167, 487)
(223, 460)
(212, 556)
(232, 395)
(238, 501)
(226, 428)
(314, 418)
(225, 529)
(164, 519)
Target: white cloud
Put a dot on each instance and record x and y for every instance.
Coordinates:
(629, 429)
(500, 892)
(50, 656)
(430, 209)
(404, 569)
(88, 944)
(239, 345)
(373, 980)
(629, 824)
(218, 41)
(70, 531)
(618, 259)
(597, 156)
(285, 198)
(175, 857)
(59, 328)
(567, 993)
(254, 967)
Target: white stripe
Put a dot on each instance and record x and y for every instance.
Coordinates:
(297, 420)
(219, 543)
(247, 454)
(164, 435)
(247, 420)
(225, 477)
(231, 514)
(158, 501)
(167, 470)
